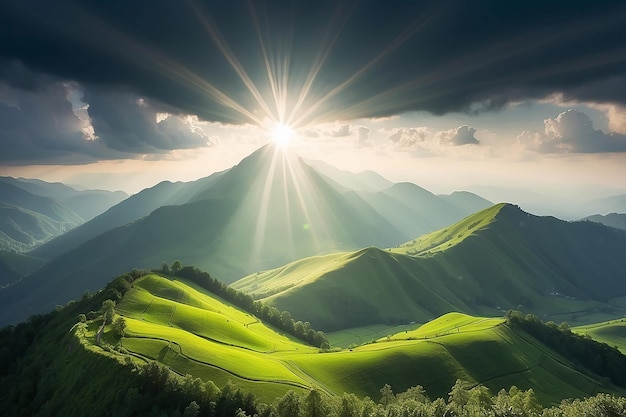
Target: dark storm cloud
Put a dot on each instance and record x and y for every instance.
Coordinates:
(39, 124)
(388, 57)
(128, 123)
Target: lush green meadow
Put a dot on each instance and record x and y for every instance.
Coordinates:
(199, 334)
(612, 332)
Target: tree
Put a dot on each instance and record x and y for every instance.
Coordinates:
(459, 396)
(289, 405)
(386, 395)
(314, 404)
(350, 406)
(191, 410)
(119, 326)
(176, 267)
(108, 311)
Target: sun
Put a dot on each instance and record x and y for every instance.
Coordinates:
(282, 135)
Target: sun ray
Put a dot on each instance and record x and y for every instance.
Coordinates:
(262, 216)
(220, 42)
(396, 43)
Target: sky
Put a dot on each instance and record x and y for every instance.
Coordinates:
(528, 96)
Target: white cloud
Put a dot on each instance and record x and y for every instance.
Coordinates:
(462, 135)
(341, 131)
(571, 132)
(362, 137)
(408, 137)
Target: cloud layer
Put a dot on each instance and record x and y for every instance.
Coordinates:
(236, 62)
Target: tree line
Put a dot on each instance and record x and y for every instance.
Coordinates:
(597, 357)
(270, 314)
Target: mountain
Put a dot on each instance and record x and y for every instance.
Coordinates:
(8, 274)
(368, 181)
(129, 210)
(612, 219)
(613, 204)
(269, 209)
(498, 259)
(28, 220)
(14, 266)
(86, 203)
(416, 211)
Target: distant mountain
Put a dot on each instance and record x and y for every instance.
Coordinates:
(14, 266)
(269, 209)
(498, 259)
(614, 204)
(369, 181)
(86, 203)
(129, 210)
(416, 211)
(28, 220)
(8, 274)
(612, 219)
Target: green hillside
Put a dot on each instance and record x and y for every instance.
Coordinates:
(197, 333)
(498, 259)
(612, 332)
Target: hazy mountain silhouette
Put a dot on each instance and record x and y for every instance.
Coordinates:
(613, 219)
(129, 210)
(27, 220)
(86, 203)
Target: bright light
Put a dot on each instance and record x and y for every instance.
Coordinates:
(282, 135)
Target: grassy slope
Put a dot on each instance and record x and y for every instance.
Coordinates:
(494, 260)
(194, 333)
(612, 332)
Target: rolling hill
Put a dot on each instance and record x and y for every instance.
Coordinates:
(194, 332)
(612, 332)
(498, 259)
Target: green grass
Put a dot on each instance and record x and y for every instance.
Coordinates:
(492, 261)
(202, 335)
(365, 334)
(612, 332)
(440, 240)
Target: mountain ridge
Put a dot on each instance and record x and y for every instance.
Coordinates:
(504, 259)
